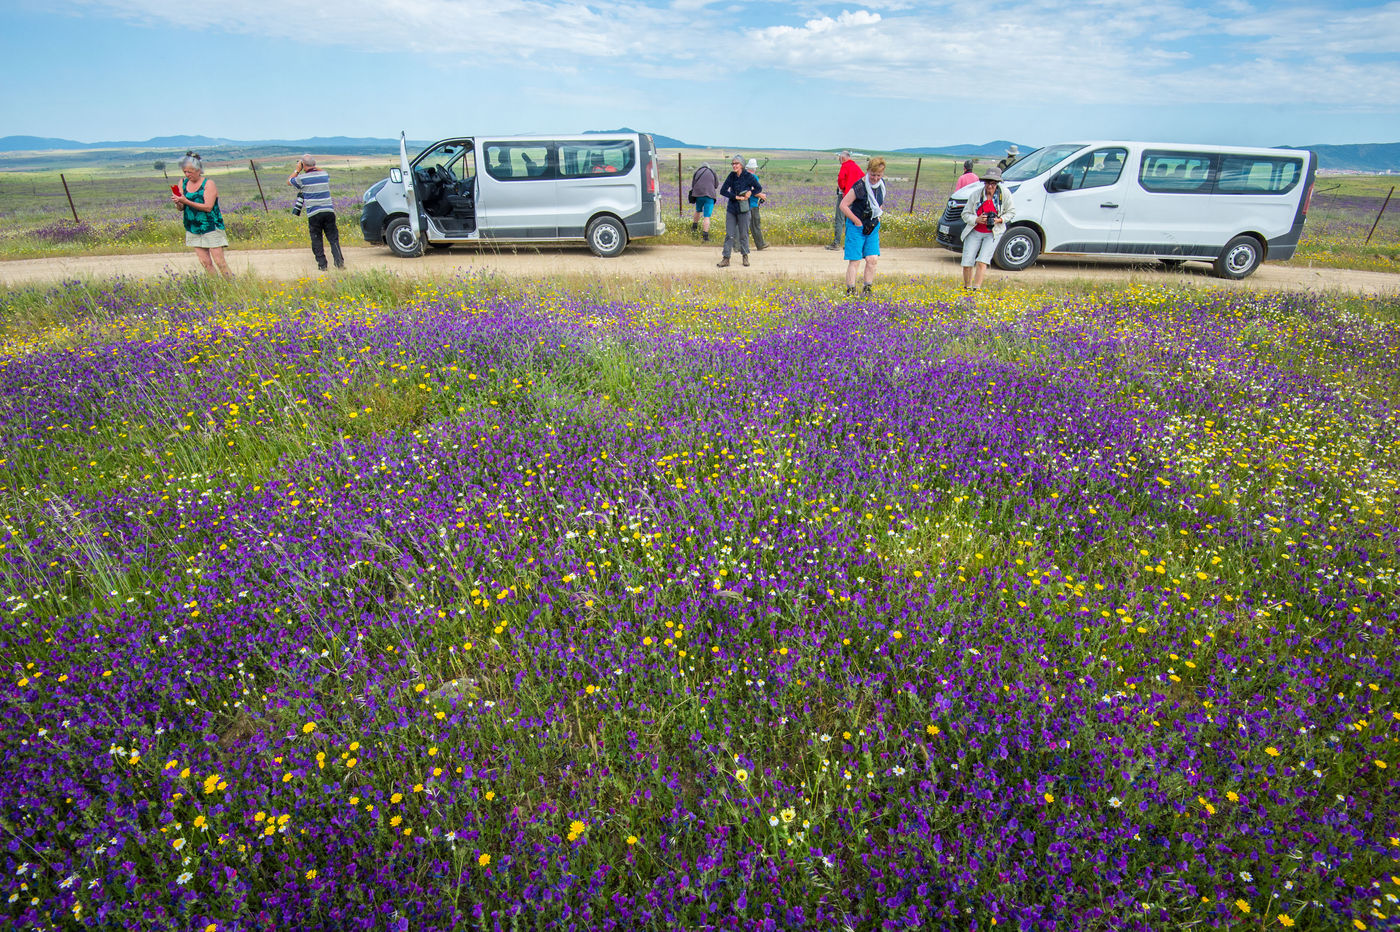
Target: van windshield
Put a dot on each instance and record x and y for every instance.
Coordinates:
(1038, 161)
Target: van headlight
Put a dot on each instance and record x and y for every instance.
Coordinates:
(374, 190)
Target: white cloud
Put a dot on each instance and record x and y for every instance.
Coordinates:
(1001, 51)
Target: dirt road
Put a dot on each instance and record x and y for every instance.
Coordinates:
(689, 262)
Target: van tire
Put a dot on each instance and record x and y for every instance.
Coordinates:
(1018, 249)
(402, 243)
(1240, 257)
(607, 237)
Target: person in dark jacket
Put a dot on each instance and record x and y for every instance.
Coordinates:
(704, 188)
(738, 186)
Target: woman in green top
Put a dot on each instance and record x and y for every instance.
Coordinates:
(204, 224)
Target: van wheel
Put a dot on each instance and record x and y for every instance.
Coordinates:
(1240, 257)
(399, 235)
(1019, 247)
(607, 237)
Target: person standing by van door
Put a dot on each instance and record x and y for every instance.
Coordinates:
(984, 220)
(849, 174)
(738, 186)
(1012, 154)
(755, 202)
(863, 205)
(314, 186)
(204, 222)
(704, 188)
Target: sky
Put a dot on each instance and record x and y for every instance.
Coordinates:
(883, 74)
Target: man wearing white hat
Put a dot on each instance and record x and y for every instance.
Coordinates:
(1012, 154)
(755, 202)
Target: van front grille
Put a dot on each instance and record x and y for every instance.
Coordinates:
(952, 213)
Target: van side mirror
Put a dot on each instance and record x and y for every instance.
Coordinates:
(396, 176)
(1059, 182)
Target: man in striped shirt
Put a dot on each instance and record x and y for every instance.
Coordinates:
(314, 185)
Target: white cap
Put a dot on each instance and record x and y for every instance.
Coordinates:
(752, 166)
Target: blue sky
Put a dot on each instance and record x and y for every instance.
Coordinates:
(877, 75)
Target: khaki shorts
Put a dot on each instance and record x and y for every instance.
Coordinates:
(206, 240)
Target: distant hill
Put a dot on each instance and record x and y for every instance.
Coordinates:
(662, 142)
(349, 145)
(996, 148)
(1362, 157)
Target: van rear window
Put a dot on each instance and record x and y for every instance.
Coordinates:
(605, 157)
(1177, 172)
(515, 161)
(1258, 174)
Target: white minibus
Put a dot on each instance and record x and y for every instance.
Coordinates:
(1231, 206)
(597, 188)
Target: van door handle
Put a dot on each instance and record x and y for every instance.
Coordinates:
(1108, 204)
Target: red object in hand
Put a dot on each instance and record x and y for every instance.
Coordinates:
(175, 190)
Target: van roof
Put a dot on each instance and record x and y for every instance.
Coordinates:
(1190, 146)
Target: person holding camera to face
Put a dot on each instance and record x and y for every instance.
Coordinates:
(984, 221)
(314, 195)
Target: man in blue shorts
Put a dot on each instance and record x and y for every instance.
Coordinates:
(863, 205)
(704, 188)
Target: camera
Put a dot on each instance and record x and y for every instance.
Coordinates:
(298, 204)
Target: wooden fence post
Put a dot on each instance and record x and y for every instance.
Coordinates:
(70, 197)
(680, 182)
(915, 192)
(254, 167)
(1378, 216)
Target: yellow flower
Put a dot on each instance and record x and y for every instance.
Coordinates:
(631, 839)
(577, 827)
(933, 731)
(1359, 924)
(1232, 796)
(741, 775)
(1049, 797)
(397, 797)
(308, 728)
(1242, 906)
(1379, 763)
(484, 860)
(394, 822)
(1285, 920)
(212, 927)
(311, 874)
(1271, 751)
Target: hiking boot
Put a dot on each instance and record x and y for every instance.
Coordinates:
(867, 289)
(850, 289)
(705, 237)
(723, 263)
(746, 260)
(833, 246)
(694, 227)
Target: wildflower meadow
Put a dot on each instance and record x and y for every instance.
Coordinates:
(383, 605)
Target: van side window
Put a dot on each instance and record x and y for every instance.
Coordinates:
(1258, 174)
(1095, 169)
(605, 157)
(1177, 172)
(517, 161)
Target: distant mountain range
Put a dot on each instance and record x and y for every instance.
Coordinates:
(996, 148)
(1364, 157)
(1361, 157)
(318, 144)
